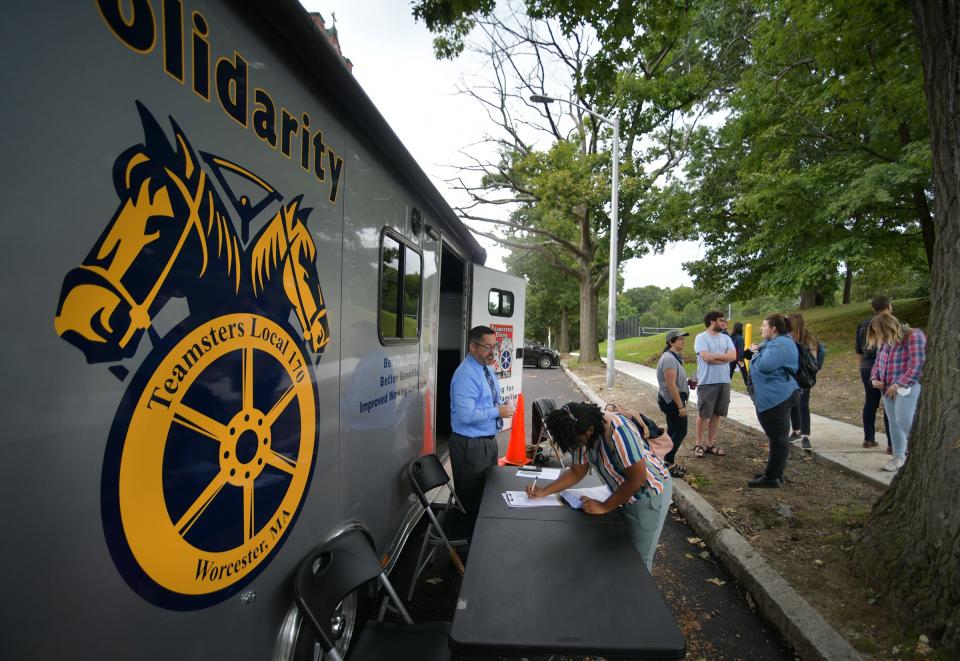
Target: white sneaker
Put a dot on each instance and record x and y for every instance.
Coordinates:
(894, 465)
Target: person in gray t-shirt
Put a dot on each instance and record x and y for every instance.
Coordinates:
(673, 394)
(715, 352)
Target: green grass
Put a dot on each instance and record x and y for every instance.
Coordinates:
(851, 516)
(835, 326)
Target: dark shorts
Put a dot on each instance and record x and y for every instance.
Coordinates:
(713, 399)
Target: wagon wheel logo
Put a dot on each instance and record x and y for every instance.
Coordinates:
(208, 485)
(213, 445)
(506, 360)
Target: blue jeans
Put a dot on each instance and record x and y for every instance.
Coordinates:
(644, 520)
(900, 412)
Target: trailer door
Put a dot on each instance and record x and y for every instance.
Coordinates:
(498, 301)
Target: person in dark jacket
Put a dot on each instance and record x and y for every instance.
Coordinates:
(737, 337)
(800, 414)
(871, 396)
(773, 366)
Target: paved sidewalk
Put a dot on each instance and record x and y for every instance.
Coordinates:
(834, 442)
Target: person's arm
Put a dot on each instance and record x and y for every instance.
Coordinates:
(467, 394)
(670, 375)
(635, 478)
(858, 345)
(770, 359)
(916, 356)
(727, 356)
(879, 365)
(567, 479)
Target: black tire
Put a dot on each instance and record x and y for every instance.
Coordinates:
(349, 618)
(544, 362)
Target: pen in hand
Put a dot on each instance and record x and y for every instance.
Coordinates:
(532, 490)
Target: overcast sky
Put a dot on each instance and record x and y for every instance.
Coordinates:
(393, 61)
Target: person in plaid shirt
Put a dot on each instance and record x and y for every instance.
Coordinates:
(616, 447)
(901, 352)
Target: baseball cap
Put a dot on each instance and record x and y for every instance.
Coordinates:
(674, 334)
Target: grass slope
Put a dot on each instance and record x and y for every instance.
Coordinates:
(835, 326)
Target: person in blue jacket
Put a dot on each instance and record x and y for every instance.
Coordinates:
(773, 366)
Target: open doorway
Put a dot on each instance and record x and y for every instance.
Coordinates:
(451, 337)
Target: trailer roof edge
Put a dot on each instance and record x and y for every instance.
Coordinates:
(289, 18)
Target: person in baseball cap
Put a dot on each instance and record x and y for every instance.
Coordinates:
(672, 394)
(674, 334)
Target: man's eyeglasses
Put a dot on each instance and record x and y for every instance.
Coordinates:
(490, 348)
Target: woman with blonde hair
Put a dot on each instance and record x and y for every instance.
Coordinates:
(806, 342)
(901, 352)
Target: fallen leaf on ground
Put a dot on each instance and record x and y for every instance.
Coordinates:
(693, 540)
(716, 581)
(434, 581)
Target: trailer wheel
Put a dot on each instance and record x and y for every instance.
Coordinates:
(345, 628)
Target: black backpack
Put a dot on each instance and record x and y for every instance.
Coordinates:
(808, 366)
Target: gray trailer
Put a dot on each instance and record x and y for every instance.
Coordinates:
(233, 303)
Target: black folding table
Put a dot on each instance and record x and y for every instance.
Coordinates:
(504, 478)
(550, 585)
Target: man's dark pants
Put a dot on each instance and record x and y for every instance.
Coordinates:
(470, 459)
(871, 402)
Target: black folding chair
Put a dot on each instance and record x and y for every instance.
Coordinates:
(339, 567)
(449, 527)
(541, 408)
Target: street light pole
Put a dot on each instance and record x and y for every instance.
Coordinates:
(614, 216)
(614, 224)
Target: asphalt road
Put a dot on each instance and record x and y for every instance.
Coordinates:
(711, 610)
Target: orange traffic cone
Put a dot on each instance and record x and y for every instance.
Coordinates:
(517, 450)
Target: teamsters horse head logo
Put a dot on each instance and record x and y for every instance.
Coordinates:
(213, 445)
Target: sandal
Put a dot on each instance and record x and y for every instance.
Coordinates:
(698, 451)
(715, 450)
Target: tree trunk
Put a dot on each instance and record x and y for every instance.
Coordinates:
(589, 344)
(927, 227)
(564, 330)
(808, 298)
(910, 547)
(847, 285)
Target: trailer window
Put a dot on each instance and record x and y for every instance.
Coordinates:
(500, 303)
(399, 319)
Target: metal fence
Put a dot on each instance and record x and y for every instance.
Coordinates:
(631, 327)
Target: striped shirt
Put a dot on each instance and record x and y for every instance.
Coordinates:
(901, 364)
(625, 448)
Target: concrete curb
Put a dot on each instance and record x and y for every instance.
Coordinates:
(797, 621)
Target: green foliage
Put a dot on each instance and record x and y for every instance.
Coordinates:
(824, 155)
(448, 19)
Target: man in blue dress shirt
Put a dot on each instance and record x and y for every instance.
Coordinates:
(476, 415)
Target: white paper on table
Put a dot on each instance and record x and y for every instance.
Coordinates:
(520, 499)
(544, 474)
(573, 496)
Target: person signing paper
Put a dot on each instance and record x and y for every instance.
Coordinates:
(615, 446)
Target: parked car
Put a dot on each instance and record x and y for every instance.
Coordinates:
(543, 357)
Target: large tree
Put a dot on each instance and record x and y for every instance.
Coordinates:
(553, 299)
(824, 158)
(654, 71)
(910, 548)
